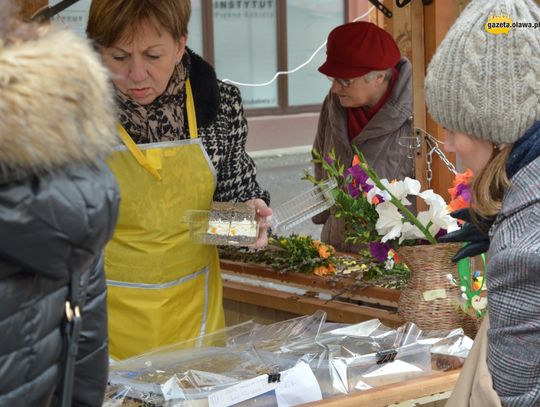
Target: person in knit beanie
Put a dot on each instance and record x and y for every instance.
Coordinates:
(484, 89)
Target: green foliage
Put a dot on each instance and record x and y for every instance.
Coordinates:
(294, 253)
(357, 213)
(302, 254)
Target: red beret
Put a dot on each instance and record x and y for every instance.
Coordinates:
(354, 49)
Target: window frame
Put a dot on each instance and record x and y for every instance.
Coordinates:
(283, 107)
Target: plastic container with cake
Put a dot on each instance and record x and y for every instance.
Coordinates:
(225, 224)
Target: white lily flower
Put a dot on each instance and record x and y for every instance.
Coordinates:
(438, 216)
(410, 231)
(376, 191)
(400, 189)
(390, 221)
(432, 198)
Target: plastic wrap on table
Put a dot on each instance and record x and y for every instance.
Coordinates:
(188, 372)
(272, 337)
(450, 352)
(343, 359)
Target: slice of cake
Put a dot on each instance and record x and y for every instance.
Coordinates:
(231, 224)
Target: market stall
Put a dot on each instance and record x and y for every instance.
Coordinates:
(264, 294)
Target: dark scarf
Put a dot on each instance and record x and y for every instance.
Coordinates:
(161, 120)
(359, 117)
(524, 151)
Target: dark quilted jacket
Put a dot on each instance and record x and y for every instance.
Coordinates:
(58, 208)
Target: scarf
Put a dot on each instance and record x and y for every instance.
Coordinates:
(359, 117)
(524, 151)
(161, 120)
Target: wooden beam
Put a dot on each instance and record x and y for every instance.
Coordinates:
(419, 104)
(439, 17)
(344, 287)
(336, 311)
(394, 393)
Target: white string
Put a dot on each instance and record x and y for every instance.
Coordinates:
(298, 67)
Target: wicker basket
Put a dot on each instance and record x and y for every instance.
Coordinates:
(429, 265)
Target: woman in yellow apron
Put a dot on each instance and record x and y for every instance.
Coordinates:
(183, 135)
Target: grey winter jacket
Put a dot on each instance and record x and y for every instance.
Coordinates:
(58, 208)
(379, 141)
(513, 281)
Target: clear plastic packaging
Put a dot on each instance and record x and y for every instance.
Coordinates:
(303, 207)
(224, 224)
(342, 359)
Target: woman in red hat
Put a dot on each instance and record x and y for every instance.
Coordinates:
(369, 106)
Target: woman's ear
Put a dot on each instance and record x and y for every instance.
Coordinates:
(181, 48)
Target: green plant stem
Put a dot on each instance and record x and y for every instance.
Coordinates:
(406, 212)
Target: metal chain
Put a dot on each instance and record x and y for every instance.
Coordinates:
(429, 171)
(433, 147)
(414, 143)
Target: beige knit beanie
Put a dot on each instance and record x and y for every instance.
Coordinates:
(484, 84)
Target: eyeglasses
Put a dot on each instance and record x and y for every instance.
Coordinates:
(343, 82)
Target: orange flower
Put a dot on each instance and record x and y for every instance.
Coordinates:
(458, 203)
(325, 251)
(463, 178)
(324, 270)
(320, 271)
(460, 194)
(356, 160)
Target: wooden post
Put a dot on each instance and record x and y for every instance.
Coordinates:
(418, 30)
(438, 18)
(419, 110)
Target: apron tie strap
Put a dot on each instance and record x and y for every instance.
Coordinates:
(137, 153)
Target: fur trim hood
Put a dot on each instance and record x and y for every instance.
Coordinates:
(56, 104)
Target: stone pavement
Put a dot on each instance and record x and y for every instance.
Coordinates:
(281, 174)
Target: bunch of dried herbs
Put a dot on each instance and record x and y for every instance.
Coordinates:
(304, 254)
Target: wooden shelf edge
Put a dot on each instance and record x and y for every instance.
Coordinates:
(385, 295)
(336, 311)
(382, 396)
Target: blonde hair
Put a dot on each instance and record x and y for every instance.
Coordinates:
(112, 20)
(489, 185)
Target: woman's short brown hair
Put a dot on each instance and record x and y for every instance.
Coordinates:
(112, 20)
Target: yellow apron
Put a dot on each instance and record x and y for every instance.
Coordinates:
(162, 288)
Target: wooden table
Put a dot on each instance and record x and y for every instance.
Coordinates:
(438, 382)
(265, 295)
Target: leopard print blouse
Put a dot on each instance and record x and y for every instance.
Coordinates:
(222, 127)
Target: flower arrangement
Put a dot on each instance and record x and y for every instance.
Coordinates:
(377, 212)
(303, 254)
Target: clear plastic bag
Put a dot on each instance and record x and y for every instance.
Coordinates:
(343, 359)
(303, 207)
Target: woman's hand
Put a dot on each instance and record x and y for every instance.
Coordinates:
(263, 212)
